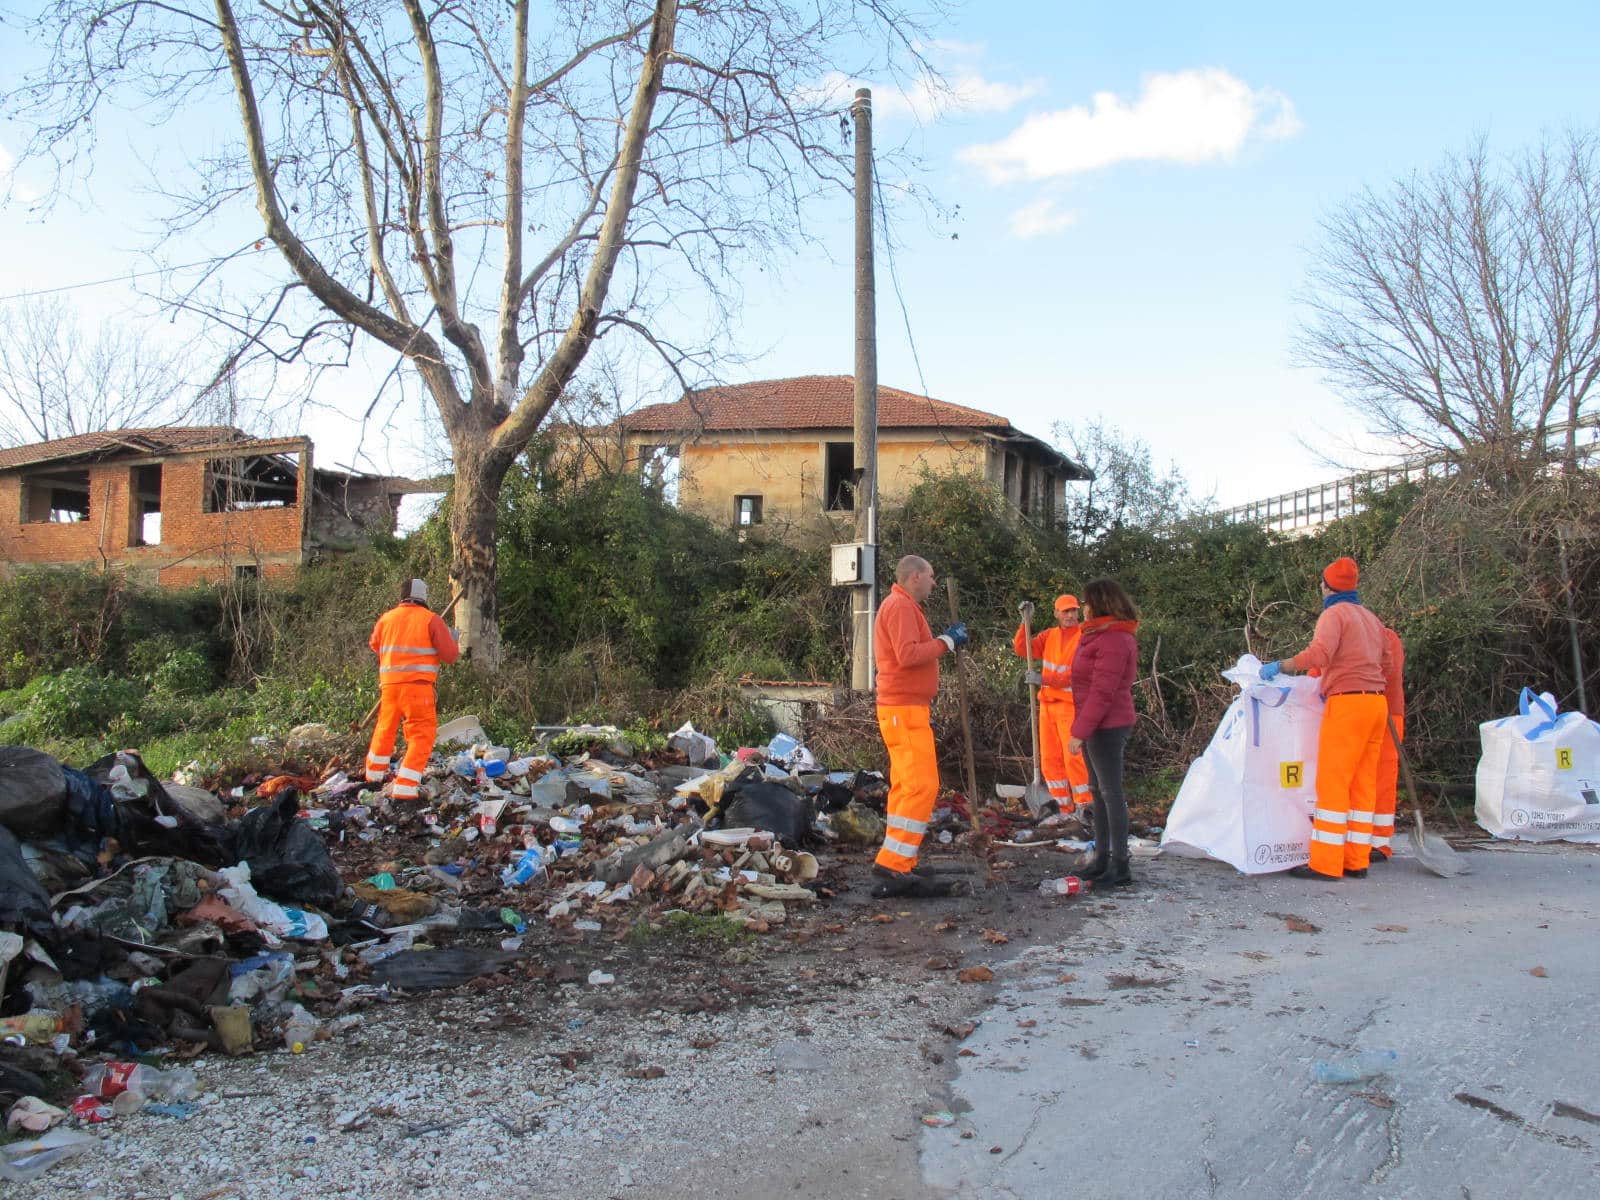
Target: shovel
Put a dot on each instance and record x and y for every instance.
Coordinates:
(1432, 851)
(1037, 797)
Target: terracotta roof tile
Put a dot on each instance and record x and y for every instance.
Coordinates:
(804, 402)
(136, 441)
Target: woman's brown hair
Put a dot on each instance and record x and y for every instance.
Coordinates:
(1106, 598)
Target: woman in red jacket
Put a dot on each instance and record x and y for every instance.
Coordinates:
(1102, 685)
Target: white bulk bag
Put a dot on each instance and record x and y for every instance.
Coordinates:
(1248, 799)
(1539, 776)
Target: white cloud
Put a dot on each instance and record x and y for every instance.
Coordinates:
(1195, 116)
(928, 99)
(1040, 218)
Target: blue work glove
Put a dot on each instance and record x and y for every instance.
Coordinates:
(955, 636)
(1033, 678)
(1270, 671)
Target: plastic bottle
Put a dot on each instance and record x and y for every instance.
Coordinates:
(111, 1079)
(526, 869)
(37, 1027)
(1067, 885)
(1364, 1065)
(300, 1030)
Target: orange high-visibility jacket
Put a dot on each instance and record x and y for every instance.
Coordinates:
(906, 651)
(1053, 649)
(411, 641)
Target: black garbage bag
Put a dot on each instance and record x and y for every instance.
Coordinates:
(148, 819)
(31, 790)
(769, 806)
(288, 860)
(24, 904)
(91, 809)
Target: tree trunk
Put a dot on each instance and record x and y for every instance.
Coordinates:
(474, 526)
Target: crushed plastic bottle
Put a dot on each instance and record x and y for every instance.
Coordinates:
(1364, 1065)
(112, 1079)
(1067, 885)
(29, 1157)
(527, 868)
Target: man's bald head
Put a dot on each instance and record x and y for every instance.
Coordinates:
(915, 575)
(910, 565)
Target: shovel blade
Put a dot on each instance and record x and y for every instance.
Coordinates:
(1039, 800)
(1436, 854)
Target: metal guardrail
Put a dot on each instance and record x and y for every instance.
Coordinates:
(1310, 508)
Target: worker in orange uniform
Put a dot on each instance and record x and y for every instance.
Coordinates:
(1348, 648)
(1066, 775)
(1394, 695)
(907, 656)
(411, 641)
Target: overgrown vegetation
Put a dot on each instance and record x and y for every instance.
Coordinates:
(621, 609)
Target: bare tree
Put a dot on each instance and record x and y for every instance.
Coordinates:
(1128, 489)
(1459, 312)
(59, 378)
(485, 187)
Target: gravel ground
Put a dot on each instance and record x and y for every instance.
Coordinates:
(779, 1065)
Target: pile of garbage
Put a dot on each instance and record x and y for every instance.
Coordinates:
(145, 922)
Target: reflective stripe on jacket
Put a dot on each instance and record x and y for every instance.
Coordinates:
(1053, 650)
(410, 642)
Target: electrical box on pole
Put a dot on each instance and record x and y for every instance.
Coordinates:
(854, 564)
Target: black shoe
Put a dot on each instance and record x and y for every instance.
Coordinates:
(1358, 874)
(1304, 872)
(888, 884)
(1093, 866)
(909, 885)
(1379, 857)
(1116, 875)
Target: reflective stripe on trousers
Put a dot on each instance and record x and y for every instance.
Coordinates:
(913, 782)
(1065, 775)
(410, 705)
(1388, 786)
(1347, 780)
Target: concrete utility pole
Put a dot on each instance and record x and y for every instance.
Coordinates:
(864, 598)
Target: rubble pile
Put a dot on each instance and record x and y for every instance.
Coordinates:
(144, 923)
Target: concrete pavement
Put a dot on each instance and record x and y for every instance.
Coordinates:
(1168, 1050)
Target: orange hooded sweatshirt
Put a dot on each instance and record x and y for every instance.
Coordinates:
(906, 651)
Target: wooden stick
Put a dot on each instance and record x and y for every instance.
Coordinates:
(966, 721)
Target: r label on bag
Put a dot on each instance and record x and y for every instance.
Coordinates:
(1563, 758)
(1291, 774)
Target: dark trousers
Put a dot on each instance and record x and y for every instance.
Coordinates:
(1103, 751)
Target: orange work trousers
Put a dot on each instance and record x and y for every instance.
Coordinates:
(1347, 782)
(1066, 775)
(411, 705)
(913, 782)
(1388, 781)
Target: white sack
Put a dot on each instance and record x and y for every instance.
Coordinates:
(1539, 774)
(1248, 799)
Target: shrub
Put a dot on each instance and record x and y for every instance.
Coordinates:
(184, 673)
(80, 701)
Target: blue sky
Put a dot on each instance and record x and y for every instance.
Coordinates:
(1137, 188)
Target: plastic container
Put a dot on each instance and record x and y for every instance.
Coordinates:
(38, 1027)
(526, 869)
(1361, 1066)
(1067, 885)
(28, 1158)
(112, 1079)
(300, 1030)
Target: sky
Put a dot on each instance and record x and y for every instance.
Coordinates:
(1127, 198)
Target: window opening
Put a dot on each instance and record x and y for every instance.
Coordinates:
(248, 484)
(747, 510)
(55, 497)
(144, 506)
(840, 476)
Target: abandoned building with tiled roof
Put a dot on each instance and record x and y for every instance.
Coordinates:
(782, 452)
(184, 504)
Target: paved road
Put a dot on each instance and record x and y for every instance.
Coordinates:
(1168, 1049)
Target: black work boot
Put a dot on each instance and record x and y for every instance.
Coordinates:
(887, 884)
(1116, 875)
(911, 885)
(1094, 864)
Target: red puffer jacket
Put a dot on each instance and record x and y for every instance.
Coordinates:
(1102, 675)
